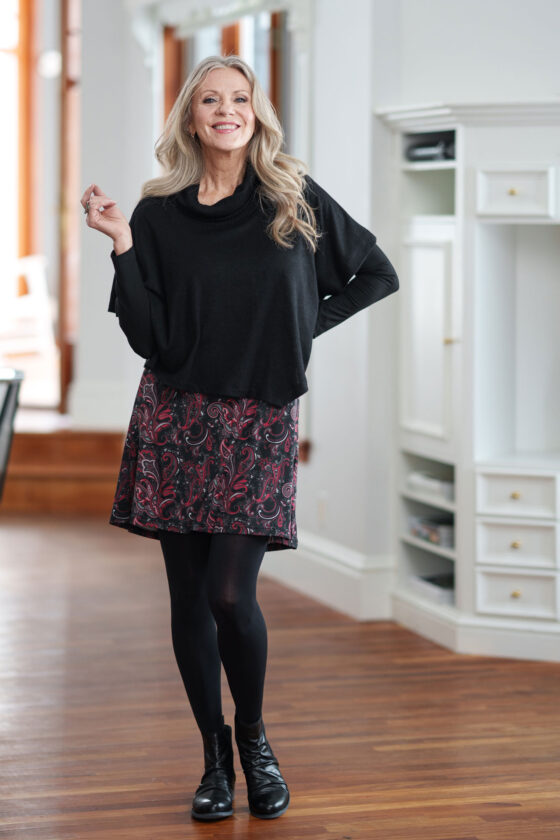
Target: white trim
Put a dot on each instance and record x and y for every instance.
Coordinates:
(476, 635)
(339, 577)
(439, 115)
(341, 554)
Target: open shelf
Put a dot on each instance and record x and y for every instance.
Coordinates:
(517, 354)
(428, 191)
(428, 147)
(429, 166)
(428, 492)
(433, 548)
(419, 562)
(428, 184)
(434, 501)
(439, 478)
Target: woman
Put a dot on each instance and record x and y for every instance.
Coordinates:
(220, 284)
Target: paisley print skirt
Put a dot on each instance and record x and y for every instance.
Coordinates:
(205, 462)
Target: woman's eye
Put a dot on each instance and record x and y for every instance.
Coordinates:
(211, 99)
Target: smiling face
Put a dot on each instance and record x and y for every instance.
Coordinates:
(221, 110)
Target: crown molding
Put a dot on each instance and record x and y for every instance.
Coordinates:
(440, 115)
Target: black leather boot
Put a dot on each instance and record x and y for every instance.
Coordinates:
(267, 791)
(213, 799)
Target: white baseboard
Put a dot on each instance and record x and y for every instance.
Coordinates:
(364, 588)
(337, 576)
(477, 635)
(436, 623)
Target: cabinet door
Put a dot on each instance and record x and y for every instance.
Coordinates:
(426, 324)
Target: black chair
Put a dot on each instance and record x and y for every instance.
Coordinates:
(10, 381)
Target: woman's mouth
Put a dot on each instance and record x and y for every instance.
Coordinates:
(225, 128)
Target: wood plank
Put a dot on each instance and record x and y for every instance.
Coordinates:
(87, 495)
(381, 734)
(63, 471)
(65, 446)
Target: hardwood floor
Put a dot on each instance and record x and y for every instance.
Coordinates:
(380, 733)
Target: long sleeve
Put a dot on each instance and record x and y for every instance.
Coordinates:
(350, 266)
(130, 302)
(137, 298)
(375, 279)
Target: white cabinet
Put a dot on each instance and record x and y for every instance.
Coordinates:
(518, 562)
(517, 192)
(426, 334)
(479, 386)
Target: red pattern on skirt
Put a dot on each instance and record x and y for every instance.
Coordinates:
(205, 462)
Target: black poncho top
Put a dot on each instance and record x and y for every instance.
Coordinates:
(215, 305)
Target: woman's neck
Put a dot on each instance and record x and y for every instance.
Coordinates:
(220, 179)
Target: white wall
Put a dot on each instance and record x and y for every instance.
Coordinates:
(481, 50)
(117, 154)
(350, 386)
(332, 483)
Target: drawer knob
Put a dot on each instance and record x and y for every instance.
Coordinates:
(512, 191)
(516, 593)
(516, 494)
(516, 544)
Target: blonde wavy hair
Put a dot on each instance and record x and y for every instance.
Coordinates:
(281, 174)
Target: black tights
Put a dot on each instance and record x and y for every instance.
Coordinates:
(215, 618)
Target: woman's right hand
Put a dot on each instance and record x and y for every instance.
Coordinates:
(105, 216)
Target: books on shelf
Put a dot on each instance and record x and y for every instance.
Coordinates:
(424, 482)
(438, 530)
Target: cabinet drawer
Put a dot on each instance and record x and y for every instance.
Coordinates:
(516, 543)
(524, 594)
(514, 494)
(511, 191)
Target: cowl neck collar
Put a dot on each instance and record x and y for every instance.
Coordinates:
(226, 207)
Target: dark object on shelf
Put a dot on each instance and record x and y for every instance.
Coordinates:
(446, 580)
(10, 381)
(438, 587)
(440, 150)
